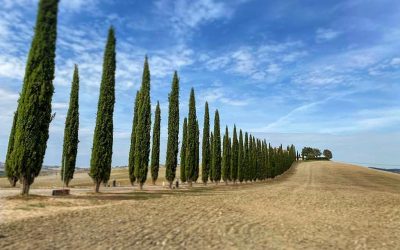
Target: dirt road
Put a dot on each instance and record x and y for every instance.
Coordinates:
(316, 205)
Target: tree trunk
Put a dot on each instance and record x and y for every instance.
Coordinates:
(205, 183)
(154, 182)
(170, 184)
(141, 186)
(25, 186)
(13, 181)
(97, 186)
(190, 184)
(226, 182)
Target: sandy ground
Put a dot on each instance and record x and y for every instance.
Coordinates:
(316, 205)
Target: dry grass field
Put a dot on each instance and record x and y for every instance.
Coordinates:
(315, 205)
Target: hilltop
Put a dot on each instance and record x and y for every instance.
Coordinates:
(314, 205)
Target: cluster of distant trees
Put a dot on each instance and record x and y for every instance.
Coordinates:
(309, 153)
(243, 157)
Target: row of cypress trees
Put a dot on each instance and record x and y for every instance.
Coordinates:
(241, 159)
(247, 159)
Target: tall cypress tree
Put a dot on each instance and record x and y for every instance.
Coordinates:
(142, 133)
(173, 131)
(34, 105)
(211, 174)
(234, 156)
(100, 163)
(205, 164)
(70, 147)
(229, 157)
(246, 162)
(241, 158)
(225, 157)
(131, 161)
(250, 159)
(10, 171)
(271, 163)
(183, 151)
(155, 150)
(191, 140)
(197, 153)
(216, 163)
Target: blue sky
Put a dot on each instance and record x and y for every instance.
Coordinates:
(315, 73)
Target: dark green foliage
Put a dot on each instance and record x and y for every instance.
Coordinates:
(100, 163)
(225, 170)
(131, 162)
(246, 161)
(155, 150)
(173, 131)
(211, 174)
(234, 156)
(250, 159)
(309, 153)
(70, 147)
(255, 169)
(10, 171)
(197, 153)
(216, 158)
(271, 161)
(191, 141)
(327, 153)
(241, 158)
(143, 127)
(34, 105)
(229, 158)
(206, 154)
(183, 152)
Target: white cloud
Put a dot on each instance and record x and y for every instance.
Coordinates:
(261, 63)
(395, 61)
(222, 95)
(325, 35)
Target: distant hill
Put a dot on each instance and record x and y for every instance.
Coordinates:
(392, 170)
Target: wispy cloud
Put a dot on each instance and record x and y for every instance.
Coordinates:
(261, 63)
(325, 35)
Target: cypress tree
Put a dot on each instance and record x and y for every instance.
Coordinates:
(100, 163)
(173, 131)
(191, 141)
(131, 162)
(255, 159)
(251, 159)
(142, 133)
(216, 163)
(241, 158)
(234, 156)
(34, 105)
(246, 161)
(183, 151)
(205, 164)
(197, 153)
(211, 174)
(70, 147)
(155, 150)
(10, 171)
(259, 161)
(225, 157)
(271, 163)
(229, 158)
